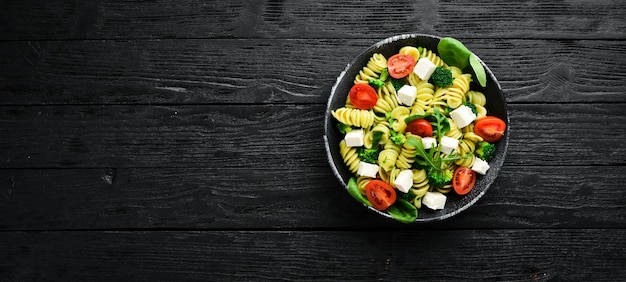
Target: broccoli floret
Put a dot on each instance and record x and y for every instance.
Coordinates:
(380, 82)
(471, 106)
(376, 83)
(485, 150)
(439, 177)
(397, 138)
(441, 77)
(344, 128)
(368, 155)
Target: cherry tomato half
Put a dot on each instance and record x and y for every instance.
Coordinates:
(380, 194)
(400, 65)
(463, 180)
(490, 128)
(420, 127)
(363, 96)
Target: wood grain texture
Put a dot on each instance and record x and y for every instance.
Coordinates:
(182, 140)
(43, 20)
(511, 255)
(268, 136)
(291, 198)
(280, 71)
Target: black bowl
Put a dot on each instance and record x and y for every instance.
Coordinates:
(496, 106)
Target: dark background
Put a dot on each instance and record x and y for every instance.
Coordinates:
(182, 140)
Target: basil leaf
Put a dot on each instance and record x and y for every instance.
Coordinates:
(478, 70)
(453, 52)
(403, 211)
(353, 189)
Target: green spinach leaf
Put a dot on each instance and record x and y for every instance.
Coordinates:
(353, 189)
(478, 70)
(403, 211)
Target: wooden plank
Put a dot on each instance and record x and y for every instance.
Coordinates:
(510, 255)
(270, 136)
(42, 20)
(290, 197)
(246, 71)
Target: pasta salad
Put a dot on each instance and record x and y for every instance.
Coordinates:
(414, 130)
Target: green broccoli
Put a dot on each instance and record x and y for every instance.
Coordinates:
(368, 155)
(439, 177)
(485, 150)
(380, 82)
(397, 138)
(471, 106)
(441, 77)
(344, 128)
(376, 83)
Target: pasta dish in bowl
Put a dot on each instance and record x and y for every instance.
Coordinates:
(416, 128)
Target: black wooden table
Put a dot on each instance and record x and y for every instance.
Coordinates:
(182, 140)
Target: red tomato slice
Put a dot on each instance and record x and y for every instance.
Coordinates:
(463, 180)
(490, 128)
(400, 65)
(363, 96)
(380, 194)
(420, 127)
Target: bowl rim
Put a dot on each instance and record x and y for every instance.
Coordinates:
(327, 120)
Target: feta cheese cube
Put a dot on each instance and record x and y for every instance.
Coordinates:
(424, 68)
(406, 94)
(480, 166)
(448, 144)
(367, 169)
(354, 138)
(429, 142)
(462, 116)
(404, 180)
(434, 200)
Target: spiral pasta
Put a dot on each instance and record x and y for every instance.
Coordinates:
(354, 117)
(431, 56)
(387, 99)
(350, 156)
(411, 51)
(456, 93)
(406, 157)
(388, 156)
(372, 70)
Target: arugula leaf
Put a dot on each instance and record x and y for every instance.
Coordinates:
(426, 159)
(353, 189)
(440, 123)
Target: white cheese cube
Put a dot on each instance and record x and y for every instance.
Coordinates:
(406, 94)
(404, 180)
(424, 68)
(480, 166)
(434, 200)
(448, 144)
(429, 142)
(462, 116)
(354, 138)
(367, 169)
